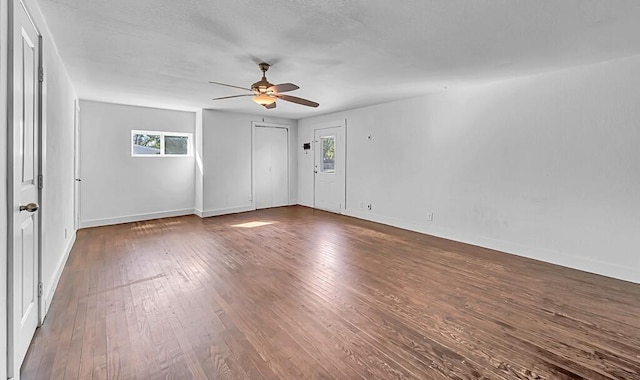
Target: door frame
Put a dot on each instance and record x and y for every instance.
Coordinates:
(76, 165)
(262, 124)
(341, 123)
(42, 164)
(4, 162)
(10, 334)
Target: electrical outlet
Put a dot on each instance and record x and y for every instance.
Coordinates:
(369, 206)
(361, 204)
(430, 217)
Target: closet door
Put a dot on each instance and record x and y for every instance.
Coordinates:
(271, 174)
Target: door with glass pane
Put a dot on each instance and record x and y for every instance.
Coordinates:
(329, 170)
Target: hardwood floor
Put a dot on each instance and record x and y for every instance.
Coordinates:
(321, 296)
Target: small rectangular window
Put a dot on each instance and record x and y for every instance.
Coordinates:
(176, 145)
(153, 143)
(146, 144)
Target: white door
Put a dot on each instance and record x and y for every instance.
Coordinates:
(329, 161)
(23, 190)
(271, 173)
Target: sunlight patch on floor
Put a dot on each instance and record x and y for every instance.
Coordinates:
(252, 224)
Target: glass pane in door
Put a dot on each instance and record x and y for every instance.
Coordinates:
(328, 144)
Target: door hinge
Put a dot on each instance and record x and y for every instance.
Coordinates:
(40, 74)
(40, 181)
(39, 289)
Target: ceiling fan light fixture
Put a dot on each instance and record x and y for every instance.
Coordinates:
(265, 94)
(263, 99)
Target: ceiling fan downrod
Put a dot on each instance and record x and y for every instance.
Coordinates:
(263, 84)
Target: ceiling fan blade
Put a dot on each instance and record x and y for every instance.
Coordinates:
(295, 99)
(232, 96)
(230, 85)
(270, 106)
(283, 87)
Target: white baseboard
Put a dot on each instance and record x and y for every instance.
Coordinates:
(164, 214)
(565, 259)
(307, 204)
(553, 257)
(53, 283)
(224, 211)
(135, 218)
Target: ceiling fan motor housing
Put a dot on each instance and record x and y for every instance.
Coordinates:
(261, 86)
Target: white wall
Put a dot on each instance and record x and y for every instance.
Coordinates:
(117, 187)
(57, 212)
(546, 166)
(227, 161)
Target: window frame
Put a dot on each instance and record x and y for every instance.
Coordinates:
(162, 135)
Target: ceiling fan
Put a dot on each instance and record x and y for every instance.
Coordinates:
(265, 93)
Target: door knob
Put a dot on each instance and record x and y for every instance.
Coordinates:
(29, 207)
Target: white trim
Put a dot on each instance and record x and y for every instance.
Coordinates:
(4, 228)
(77, 178)
(165, 214)
(135, 218)
(57, 274)
(225, 211)
(544, 255)
(42, 170)
(310, 205)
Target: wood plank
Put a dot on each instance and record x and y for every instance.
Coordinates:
(321, 296)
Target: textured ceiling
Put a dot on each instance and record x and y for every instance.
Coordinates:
(343, 54)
